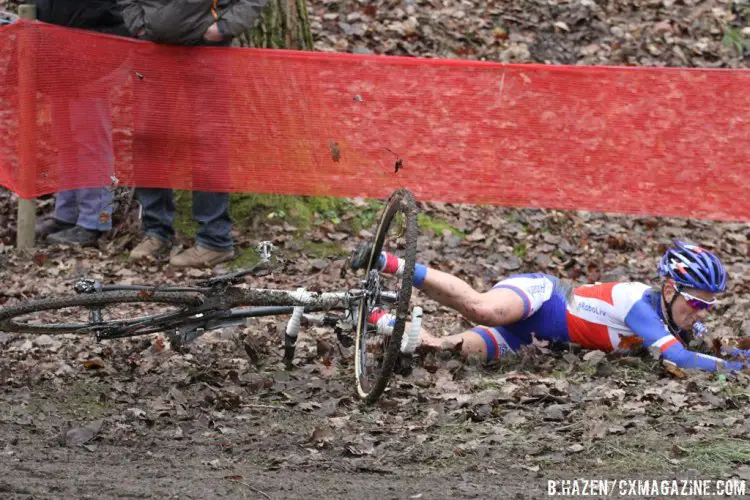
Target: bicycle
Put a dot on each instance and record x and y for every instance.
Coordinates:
(221, 301)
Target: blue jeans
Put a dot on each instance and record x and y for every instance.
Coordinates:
(83, 126)
(210, 211)
(182, 97)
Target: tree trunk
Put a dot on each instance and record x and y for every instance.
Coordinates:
(284, 24)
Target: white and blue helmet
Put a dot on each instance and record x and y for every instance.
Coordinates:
(692, 266)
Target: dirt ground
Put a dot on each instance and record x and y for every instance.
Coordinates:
(135, 419)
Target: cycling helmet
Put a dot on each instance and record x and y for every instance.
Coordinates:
(695, 267)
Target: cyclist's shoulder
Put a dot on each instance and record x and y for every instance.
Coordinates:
(620, 285)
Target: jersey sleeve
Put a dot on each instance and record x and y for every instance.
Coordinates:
(644, 321)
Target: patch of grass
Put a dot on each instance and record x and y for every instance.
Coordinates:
(732, 390)
(86, 397)
(248, 257)
(121, 257)
(733, 38)
(717, 456)
(367, 215)
(648, 451)
(521, 250)
(323, 249)
(244, 208)
(183, 220)
(485, 382)
(303, 212)
(437, 226)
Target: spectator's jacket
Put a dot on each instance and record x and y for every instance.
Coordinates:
(185, 22)
(96, 15)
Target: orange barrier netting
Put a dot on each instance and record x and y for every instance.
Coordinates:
(661, 141)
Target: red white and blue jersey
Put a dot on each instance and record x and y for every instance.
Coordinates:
(606, 316)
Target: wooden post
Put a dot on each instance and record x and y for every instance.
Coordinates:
(26, 220)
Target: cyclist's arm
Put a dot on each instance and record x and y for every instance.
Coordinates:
(646, 324)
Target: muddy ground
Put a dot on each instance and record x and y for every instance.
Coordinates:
(135, 419)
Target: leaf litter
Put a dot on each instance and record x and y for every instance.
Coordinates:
(545, 411)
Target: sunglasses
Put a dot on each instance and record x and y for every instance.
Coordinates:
(697, 303)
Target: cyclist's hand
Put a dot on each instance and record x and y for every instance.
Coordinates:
(212, 34)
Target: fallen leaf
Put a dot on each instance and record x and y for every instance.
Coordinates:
(673, 369)
(93, 364)
(322, 436)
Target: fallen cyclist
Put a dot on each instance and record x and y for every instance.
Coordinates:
(615, 316)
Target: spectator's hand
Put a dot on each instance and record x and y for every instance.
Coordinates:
(212, 34)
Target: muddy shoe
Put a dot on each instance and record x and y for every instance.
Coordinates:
(149, 247)
(360, 256)
(201, 257)
(50, 225)
(75, 236)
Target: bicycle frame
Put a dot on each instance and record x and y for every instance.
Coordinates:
(223, 305)
(183, 313)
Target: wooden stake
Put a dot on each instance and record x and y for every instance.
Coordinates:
(26, 220)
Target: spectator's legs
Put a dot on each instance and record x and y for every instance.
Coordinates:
(211, 211)
(211, 152)
(158, 213)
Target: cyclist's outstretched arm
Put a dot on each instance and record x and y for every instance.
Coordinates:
(645, 323)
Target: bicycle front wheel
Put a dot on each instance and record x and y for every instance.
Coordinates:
(88, 312)
(376, 354)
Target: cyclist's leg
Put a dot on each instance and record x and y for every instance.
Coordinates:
(543, 316)
(472, 341)
(498, 306)
(487, 343)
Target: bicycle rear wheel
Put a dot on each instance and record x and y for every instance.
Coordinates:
(86, 313)
(376, 354)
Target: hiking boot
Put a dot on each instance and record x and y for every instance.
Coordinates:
(360, 256)
(75, 236)
(150, 247)
(50, 225)
(201, 257)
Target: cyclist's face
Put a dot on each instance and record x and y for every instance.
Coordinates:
(684, 310)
